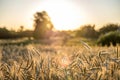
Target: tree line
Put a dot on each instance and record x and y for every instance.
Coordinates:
(89, 31)
(106, 35)
(43, 28)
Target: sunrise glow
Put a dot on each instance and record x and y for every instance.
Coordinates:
(64, 14)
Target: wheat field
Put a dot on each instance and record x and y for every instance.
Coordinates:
(49, 62)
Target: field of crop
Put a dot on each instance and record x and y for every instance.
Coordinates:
(45, 62)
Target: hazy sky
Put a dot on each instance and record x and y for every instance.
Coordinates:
(65, 14)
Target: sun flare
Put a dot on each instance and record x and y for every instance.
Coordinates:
(65, 15)
(64, 61)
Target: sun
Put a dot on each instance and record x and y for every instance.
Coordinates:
(65, 15)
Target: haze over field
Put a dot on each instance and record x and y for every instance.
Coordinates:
(59, 39)
(65, 14)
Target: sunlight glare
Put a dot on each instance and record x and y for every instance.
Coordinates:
(65, 15)
(64, 61)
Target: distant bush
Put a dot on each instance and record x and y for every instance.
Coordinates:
(87, 31)
(110, 38)
(108, 28)
(4, 33)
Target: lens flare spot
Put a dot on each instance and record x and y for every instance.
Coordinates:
(64, 61)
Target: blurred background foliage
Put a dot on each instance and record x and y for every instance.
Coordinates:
(44, 30)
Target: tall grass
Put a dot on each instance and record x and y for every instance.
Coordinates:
(44, 62)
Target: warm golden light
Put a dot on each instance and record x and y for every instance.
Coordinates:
(64, 15)
(64, 61)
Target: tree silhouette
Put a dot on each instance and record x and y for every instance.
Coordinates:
(108, 28)
(87, 31)
(42, 25)
(4, 33)
(21, 29)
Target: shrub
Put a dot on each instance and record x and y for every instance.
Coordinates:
(108, 28)
(87, 31)
(108, 38)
